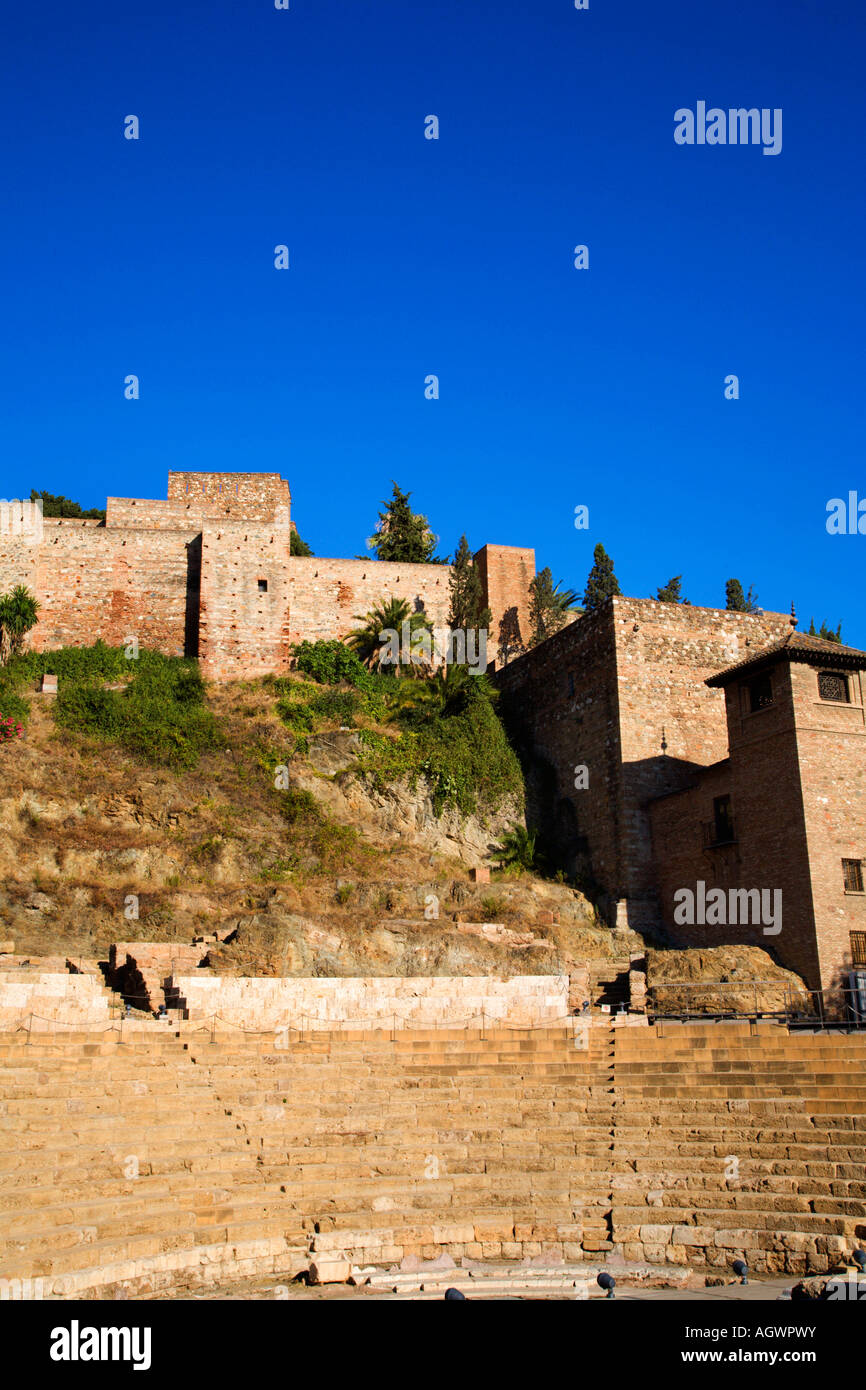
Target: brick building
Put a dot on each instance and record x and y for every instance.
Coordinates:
(784, 812)
(208, 572)
(649, 772)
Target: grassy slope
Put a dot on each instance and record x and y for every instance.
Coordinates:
(85, 824)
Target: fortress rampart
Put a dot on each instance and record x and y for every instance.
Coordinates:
(208, 572)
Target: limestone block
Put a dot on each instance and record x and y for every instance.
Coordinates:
(656, 1235)
(692, 1235)
(333, 1271)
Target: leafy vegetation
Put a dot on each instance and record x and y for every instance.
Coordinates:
(826, 632)
(461, 750)
(511, 641)
(402, 534)
(467, 612)
(738, 602)
(517, 850)
(313, 831)
(19, 611)
(382, 630)
(297, 546)
(69, 664)
(550, 607)
(160, 714)
(62, 506)
(444, 728)
(330, 662)
(601, 582)
(672, 592)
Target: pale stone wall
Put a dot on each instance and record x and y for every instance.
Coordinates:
(52, 999)
(374, 1002)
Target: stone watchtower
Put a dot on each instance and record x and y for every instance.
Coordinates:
(797, 741)
(786, 810)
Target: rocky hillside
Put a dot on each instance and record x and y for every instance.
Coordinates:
(315, 857)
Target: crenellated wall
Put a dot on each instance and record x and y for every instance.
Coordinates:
(207, 571)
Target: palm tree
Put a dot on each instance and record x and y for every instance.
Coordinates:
(516, 851)
(385, 621)
(566, 600)
(446, 692)
(18, 614)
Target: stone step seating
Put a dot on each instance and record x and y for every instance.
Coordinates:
(205, 1190)
(494, 1280)
(200, 1205)
(788, 1107)
(500, 1175)
(347, 1004)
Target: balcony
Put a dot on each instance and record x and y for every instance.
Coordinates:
(714, 835)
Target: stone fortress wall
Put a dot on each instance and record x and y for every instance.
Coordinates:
(208, 572)
(621, 694)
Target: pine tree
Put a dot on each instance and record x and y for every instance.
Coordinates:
(672, 591)
(403, 535)
(467, 612)
(62, 506)
(298, 546)
(602, 583)
(825, 632)
(738, 602)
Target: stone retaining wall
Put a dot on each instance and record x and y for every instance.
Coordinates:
(52, 999)
(338, 1004)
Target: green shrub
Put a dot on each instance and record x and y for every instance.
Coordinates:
(159, 715)
(296, 716)
(13, 706)
(329, 663)
(301, 807)
(313, 830)
(74, 664)
(464, 756)
(517, 851)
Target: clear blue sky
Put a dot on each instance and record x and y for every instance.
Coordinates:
(454, 257)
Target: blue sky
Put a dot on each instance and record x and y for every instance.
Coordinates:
(410, 256)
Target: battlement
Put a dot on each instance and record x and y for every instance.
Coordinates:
(254, 496)
(208, 572)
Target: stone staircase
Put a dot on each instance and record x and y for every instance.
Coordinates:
(171, 1161)
(142, 972)
(739, 1141)
(143, 1161)
(609, 984)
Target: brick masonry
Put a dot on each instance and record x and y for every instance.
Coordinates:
(185, 574)
(605, 695)
(796, 776)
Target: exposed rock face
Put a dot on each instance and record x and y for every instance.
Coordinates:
(277, 941)
(96, 848)
(721, 979)
(400, 811)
